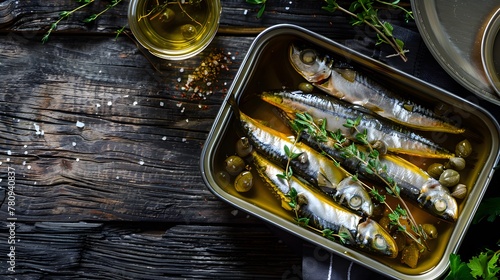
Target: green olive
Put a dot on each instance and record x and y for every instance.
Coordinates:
(306, 87)
(188, 31)
(457, 163)
(435, 170)
(449, 178)
(234, 165)
(463, 148)
(243, 147)
(244, 181)
(430, 230)
(167, 15)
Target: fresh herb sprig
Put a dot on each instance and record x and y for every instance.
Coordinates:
(83, 3)
(485, 265)
(364, 12)
(262, 4)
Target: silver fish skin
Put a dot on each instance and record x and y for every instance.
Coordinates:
(366, 234)
(360, 90)
(312, 166)
(397, 139)
(415, 184)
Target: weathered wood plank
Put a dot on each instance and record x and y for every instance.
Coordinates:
(237, 16)
(137, 156)
(148, 251)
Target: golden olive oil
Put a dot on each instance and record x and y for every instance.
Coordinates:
(175, 29)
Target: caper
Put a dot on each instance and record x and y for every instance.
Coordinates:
(243, 147)
(449, 178)
(244, 181)
(188, 31)
(306, 87)
(463, 148)
(435, 170)
(430, 230)
(234, 165)
(223, 177)
(459, 191)
(457, 163)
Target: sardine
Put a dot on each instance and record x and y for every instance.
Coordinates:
(397, 139)
(366, 234)
(358, 89)
(312, 166)
(415, 184)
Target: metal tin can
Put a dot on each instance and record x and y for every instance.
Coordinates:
(490, 51)
(267, 67)
(174, 30)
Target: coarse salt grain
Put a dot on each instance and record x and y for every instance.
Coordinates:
(110, 103)
(135, 103)
(80, 124)
(9, 152)
(161, 103)
(141, 162)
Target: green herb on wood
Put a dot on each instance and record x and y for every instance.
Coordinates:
(84, 3)
(364, 12)
(262, 4)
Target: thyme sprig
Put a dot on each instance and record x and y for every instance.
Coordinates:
(364, 12)
(160, 10)
(84, 3)
(370, 159)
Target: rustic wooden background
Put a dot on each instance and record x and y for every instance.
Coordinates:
(122, 197)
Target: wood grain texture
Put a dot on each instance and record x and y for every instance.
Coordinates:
(149, 251)
(137, 155)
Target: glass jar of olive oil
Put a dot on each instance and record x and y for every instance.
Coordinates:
(174, 29)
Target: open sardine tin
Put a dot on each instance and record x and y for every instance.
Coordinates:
(266, 67)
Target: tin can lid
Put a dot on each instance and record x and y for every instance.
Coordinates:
(490, 51)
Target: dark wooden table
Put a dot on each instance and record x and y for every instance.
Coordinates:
(105, 142)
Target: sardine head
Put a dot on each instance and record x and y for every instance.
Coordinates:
(438, 200)
(308, 64)
(353, 195)
(373, 238)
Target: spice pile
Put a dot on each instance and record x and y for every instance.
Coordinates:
(204, 80)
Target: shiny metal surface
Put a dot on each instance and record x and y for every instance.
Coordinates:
(490, 51)
(453, 30)
(263, 69)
